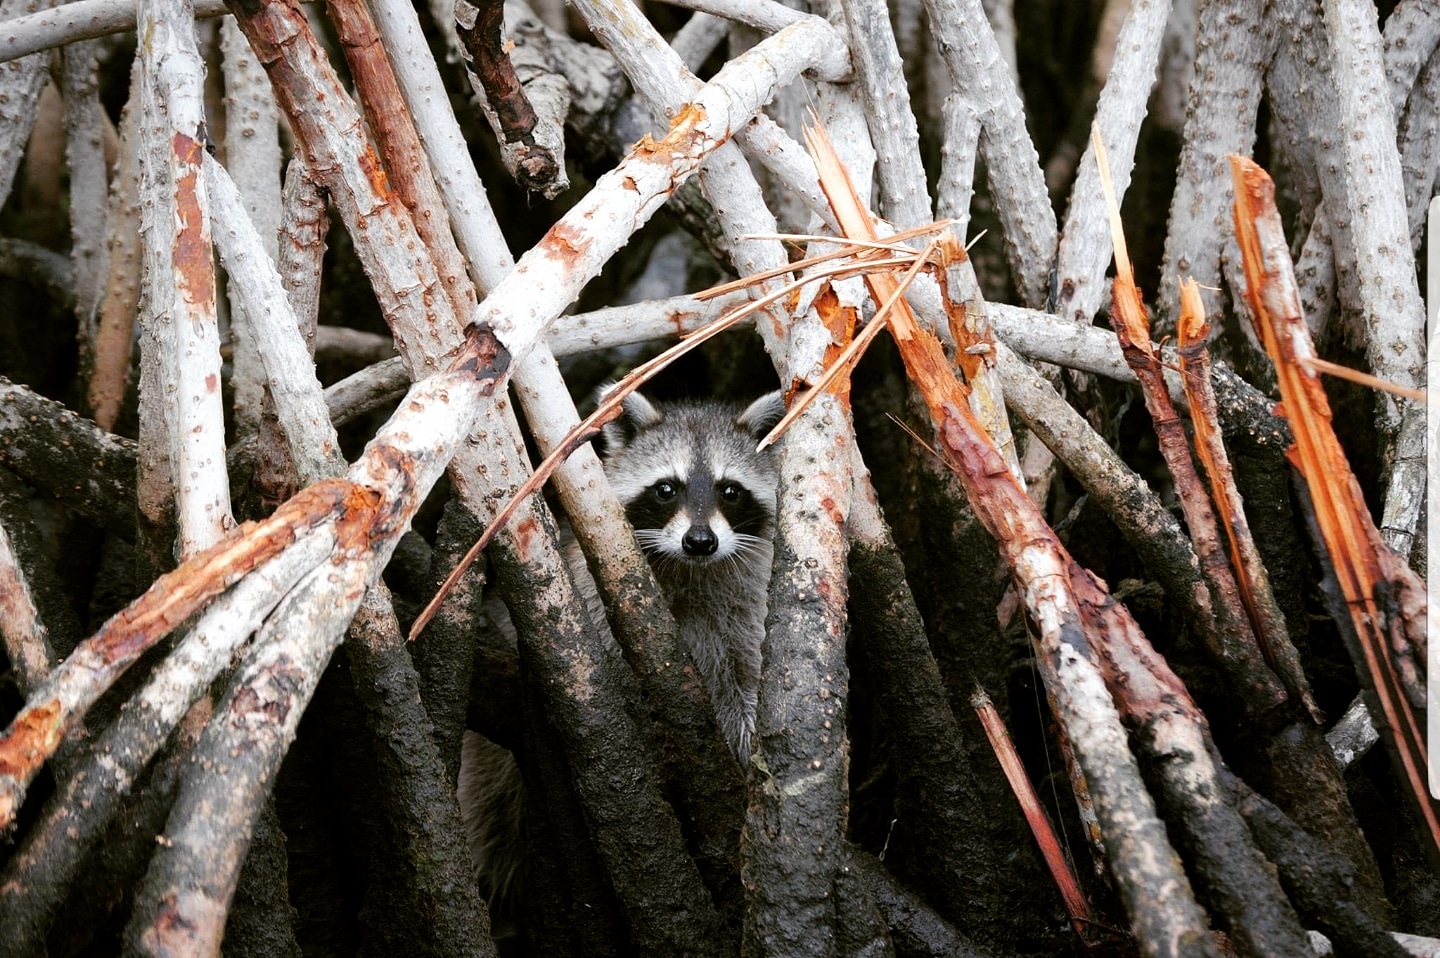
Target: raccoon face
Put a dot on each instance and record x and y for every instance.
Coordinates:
(691, 481)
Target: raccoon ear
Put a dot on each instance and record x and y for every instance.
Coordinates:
(762, 414)
(639, 413)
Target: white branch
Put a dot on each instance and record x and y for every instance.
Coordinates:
(252, 155)
(179, 273)
(1085, 249)
(301, 254)
(904, 195)
(86, 127)
(81, 20)
(20, 84)
(697, 39)
(1420, 147)
(1412, 33)
(1379, 222)
(1234, 45)
(978, 71)
(116, 323)
(288, 368)
(1389, 290)
(471, 217)
(956, 186)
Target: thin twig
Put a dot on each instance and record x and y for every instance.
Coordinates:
(582, 432)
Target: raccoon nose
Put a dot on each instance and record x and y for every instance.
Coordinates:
(699, 541)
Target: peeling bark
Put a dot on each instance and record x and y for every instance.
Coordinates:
(633, 803)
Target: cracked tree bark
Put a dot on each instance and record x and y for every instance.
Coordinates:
(137, 766)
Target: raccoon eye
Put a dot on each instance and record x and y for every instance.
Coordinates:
(664, 490)
(730, 492)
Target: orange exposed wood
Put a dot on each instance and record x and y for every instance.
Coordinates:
(839, 363)
(194, 267)
(30, 739)
(1384, 596)
(840, 320)
(1061, 872)
(1250, 574)
(35, 733)
(1230, 635)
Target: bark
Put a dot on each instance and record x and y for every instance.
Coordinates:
(1036, 559)
(1386, 637)
(1234, 640)
(1234, 43)
(532, 144)
(634, 805)
(794, 822)
(112, 343)
(21, 80)
(85, 131)
(179, 292)
(973, 57)
(52, 271)
(1387, 289)
(444, 654)
(1254, 583)
(1084, 250)
(419, 799)
(55, 450)
(261, 920)
(635, 833)
(46, 866)
(917, 930)
(46, 26)
(940, 797)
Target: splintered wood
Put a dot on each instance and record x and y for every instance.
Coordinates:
(1250, 574)
(1229, 633)
(1076, 616)
(1384, 598)
(73, 687)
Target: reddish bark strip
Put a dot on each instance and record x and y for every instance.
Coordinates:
(329, 132)
(1385, 598)
(194, 265)
(1229, 636)
(1250, 574)
(65, 695)
(1063, 875)
(485, 42)
(406, 166)
(1244, 891)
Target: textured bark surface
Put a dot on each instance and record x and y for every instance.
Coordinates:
(339, 263)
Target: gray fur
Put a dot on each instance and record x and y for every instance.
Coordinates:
(719, 600)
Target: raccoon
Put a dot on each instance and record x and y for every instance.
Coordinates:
(702, 504)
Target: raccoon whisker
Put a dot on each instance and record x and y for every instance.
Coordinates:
(748, 546)
(747, 541)
(649, 540)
